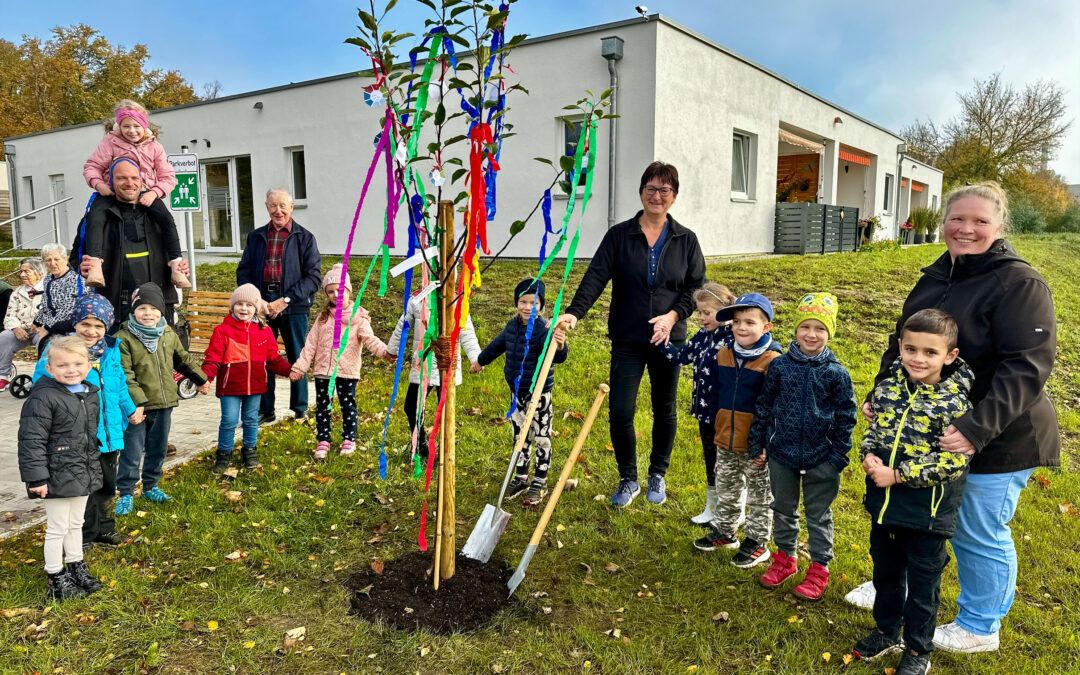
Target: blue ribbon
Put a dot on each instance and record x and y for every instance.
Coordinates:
(524, 357)
(546, 208)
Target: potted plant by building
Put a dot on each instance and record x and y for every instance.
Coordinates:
(934, 226)
(905, 231)
(868, 227)
(918, 229)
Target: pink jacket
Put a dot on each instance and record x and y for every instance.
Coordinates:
(157, 173)
(318, 352)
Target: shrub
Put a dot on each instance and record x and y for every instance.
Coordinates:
(1024, 216)
(1067, 221)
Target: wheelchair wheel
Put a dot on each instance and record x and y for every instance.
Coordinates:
(186, 389)
(20, 386)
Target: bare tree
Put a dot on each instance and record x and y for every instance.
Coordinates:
(999, 131)
(211, 90)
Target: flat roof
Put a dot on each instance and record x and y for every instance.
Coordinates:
(542, 38)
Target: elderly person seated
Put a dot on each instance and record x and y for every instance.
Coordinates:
(22, 309)
(61, 291)
(282, 260)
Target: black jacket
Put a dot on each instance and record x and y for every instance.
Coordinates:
(162, 246)
(512, 341)
(301, 266)
(1008, 336)
(623, 259)
(58, 443)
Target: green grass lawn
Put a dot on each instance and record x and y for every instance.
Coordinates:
(174, 603)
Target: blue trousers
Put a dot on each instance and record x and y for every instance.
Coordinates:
(144, 443)
(238, 409)
(984, 550)
(293, 329)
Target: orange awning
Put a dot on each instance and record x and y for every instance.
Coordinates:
(854, 158)
(916, 187)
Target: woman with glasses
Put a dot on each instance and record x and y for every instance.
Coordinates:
(654, 264)
(22, 308)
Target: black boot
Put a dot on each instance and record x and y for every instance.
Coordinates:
(221, 463)
(80, 574)
(62, 587)
(251, 460)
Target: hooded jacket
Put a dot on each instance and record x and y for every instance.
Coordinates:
(413, 312)
(1008, 337)
(623, 259)
(150, 376)
(114, 400)
(58, 443)
(909, 419)
(238, 354)
(511, 341)
(301, 266)
(319, 353)
(150, 156)
(806, 411)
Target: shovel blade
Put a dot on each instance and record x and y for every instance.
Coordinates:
(489, 527)
(519, 573)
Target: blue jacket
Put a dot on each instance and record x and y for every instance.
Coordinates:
(701, 350)
(512, 341)
(806, 411)
(301, 266)
(115, 401)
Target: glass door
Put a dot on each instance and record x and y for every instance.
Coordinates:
(228, 212)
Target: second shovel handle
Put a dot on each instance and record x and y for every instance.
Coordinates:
(603, 390)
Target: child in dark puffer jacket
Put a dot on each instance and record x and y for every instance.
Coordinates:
(523, 356)
(802, 427)
(58, 461)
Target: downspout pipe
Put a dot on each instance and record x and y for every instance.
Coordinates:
(901, 151)
(611, 48)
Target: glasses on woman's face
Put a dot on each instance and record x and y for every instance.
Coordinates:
(651, 190)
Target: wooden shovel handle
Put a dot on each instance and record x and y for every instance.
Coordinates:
(569, 466)
(538, 391)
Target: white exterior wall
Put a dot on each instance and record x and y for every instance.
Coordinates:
(699, 107)
(663, 104)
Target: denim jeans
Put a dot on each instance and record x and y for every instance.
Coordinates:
(984, 550)
(293, 329)
(236, 409)
(629, 360)
(145, 443)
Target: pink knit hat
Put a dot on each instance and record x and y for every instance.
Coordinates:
(245, 293)
(334, 277)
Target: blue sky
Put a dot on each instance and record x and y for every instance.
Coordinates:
(891, 63)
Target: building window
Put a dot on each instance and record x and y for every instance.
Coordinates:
(933, 203)
(571, 137)
(298, 171)
(887, 206)
(742, 165)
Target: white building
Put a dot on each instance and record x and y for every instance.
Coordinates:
(737, 132)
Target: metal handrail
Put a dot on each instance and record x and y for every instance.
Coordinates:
(30, 213)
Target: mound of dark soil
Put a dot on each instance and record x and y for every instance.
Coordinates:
(403, 595)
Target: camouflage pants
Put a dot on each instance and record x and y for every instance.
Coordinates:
(734, 471)
(539, 437)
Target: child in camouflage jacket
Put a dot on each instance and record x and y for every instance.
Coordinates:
(913, 487)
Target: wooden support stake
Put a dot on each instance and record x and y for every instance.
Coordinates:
(447, 511)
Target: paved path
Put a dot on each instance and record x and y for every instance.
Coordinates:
(202, 414)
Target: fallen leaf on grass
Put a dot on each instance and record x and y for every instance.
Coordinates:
(537, 595)
(1042, 480)
(383, 528)
(890, 671)
(848, 658)
(722, 617)
(425, 650)
(611, 568)
(1068, 509)
(826, 656)
(377, 566)
(599, 498)
(575, 415)
(141, 514)
(36, 631)
(235, 556)
(496, 421)
(547, 610)
(381, 499)
(292, 638)
(614, 632)
(211, 625)
(249, 644)
(18, 611)
(233, 495)
(86, 619)
(325, 480)
(187, 625)
(231, 472)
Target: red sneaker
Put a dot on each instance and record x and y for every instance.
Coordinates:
(783, 566)
(814, 584)
(4, 384)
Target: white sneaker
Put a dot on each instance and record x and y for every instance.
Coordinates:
(952, 637)
(862, 596)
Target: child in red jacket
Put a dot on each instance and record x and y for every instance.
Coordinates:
(240, 350)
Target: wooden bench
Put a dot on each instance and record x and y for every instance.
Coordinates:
(204, 311)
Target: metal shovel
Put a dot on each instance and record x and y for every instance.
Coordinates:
(519, 573)
(492, 522)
